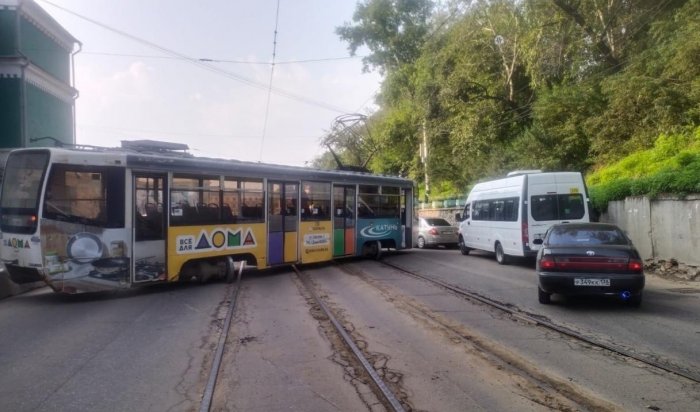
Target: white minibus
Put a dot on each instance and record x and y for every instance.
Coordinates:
(506, 215)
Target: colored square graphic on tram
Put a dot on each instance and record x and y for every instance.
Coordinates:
(208, 241)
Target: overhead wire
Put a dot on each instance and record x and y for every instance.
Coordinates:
(210, 60)
(203, 65)
(269, 90)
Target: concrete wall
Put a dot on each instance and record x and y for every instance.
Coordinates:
(661, 229)
(634, 217)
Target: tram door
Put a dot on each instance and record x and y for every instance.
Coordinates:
(283, 221)
(343, 220)
(149, 227)
(407, 217)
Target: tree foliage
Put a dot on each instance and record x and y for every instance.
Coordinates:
(393, 30)
(496, 85)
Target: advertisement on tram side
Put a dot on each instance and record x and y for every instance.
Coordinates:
(316, 241)
(85, 258)
(379, 229)
(187, 242)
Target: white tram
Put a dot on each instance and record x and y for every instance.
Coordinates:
(92, 219)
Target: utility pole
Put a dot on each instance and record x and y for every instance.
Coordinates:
(424, 159)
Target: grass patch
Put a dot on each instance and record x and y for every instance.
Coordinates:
(672, 166)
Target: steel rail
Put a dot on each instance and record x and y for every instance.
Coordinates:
(208, 395)
(529, 318)
(386, 392)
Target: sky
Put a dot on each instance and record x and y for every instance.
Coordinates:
(131, 90)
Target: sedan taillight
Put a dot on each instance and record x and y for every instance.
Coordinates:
(635, 266)
(547, 263)
(433, 232)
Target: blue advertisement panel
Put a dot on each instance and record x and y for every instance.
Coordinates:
(379, 229)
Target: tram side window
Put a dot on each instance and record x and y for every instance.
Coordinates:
(148, 217)
(315, 201)
(88, 195)
(368, 201)
(243, 200)
(195, 200)
(376, 203)
(390, 202)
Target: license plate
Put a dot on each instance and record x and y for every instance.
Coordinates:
(448, 232)
(591, 282)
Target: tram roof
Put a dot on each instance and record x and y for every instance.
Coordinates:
(186, 163)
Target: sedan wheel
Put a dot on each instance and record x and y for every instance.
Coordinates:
(544, 297)
(421, 242)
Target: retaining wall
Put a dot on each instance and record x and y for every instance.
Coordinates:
(663, 229)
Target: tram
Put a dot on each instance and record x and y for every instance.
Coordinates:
(89, 219)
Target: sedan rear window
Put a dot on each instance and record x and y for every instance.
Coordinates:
(586, 236)
(437, 222)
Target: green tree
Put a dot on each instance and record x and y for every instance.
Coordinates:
(496, 85)
(393, 31)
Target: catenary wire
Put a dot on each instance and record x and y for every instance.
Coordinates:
(197, 62)
(269, 90)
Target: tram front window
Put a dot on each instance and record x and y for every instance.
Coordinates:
(84, 194)
(20, 197)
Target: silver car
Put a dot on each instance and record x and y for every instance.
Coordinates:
(435, 231)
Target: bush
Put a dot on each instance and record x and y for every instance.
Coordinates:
(672, 166)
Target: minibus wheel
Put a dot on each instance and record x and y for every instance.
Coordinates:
(463, 249)
(501, 256)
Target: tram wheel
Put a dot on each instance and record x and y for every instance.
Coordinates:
(373, 249)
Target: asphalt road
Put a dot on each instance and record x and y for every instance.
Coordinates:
(151, 349)
(666, 326)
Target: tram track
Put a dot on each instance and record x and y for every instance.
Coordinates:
(365, 369)
(540, 321)
(207, 397)
(390, 399)
(481, 372)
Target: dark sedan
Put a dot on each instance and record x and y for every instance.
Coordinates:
(589, 259)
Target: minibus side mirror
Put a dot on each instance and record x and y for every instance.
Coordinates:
(458, 217)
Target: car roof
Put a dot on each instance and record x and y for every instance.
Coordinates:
(587, 225)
